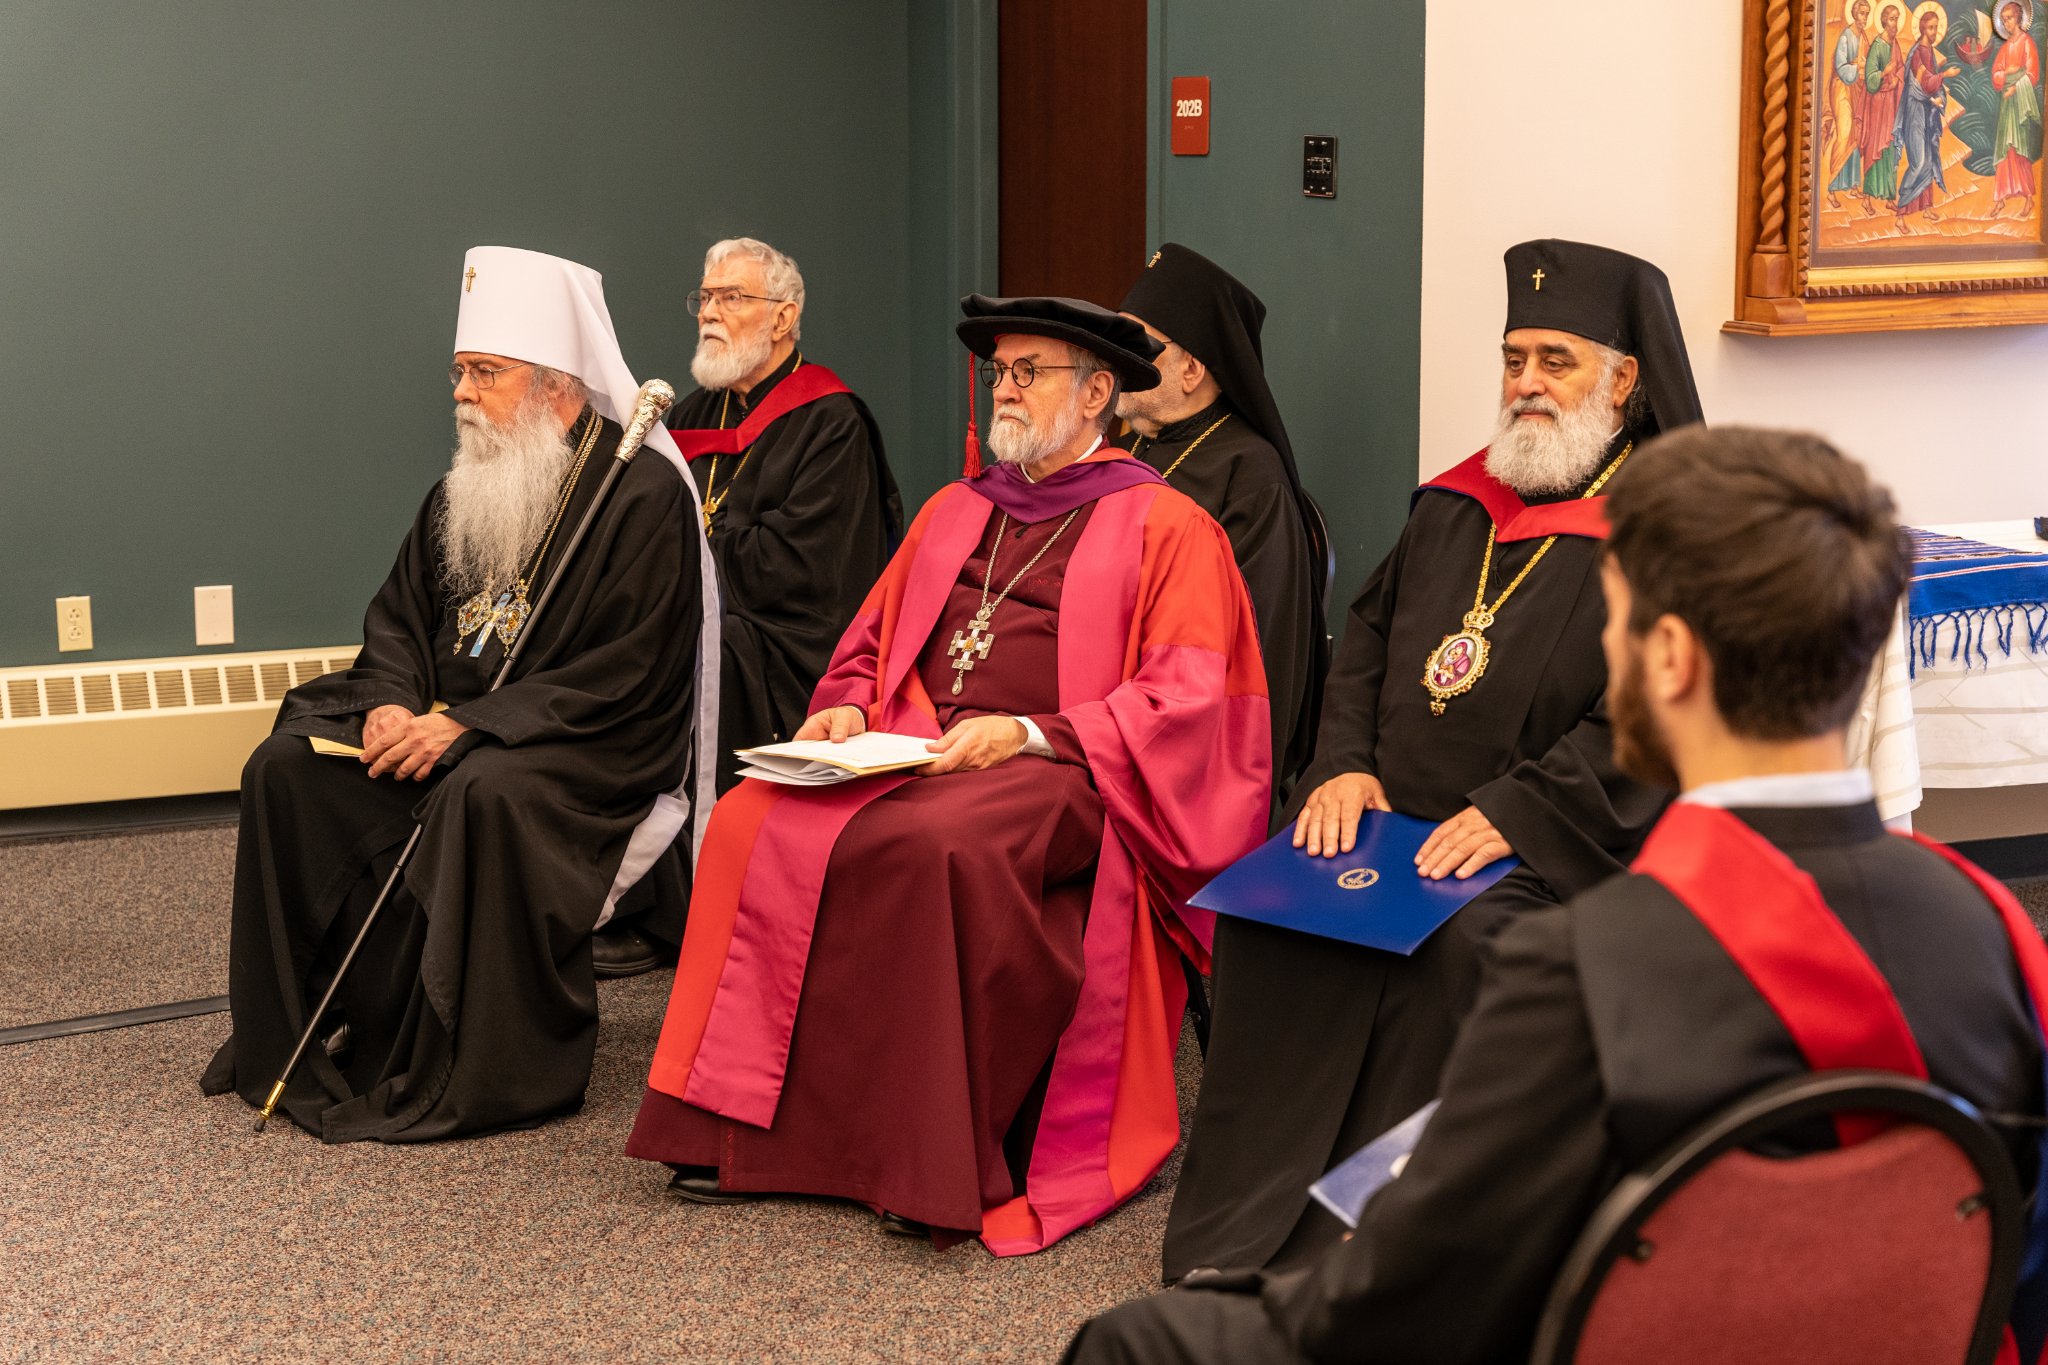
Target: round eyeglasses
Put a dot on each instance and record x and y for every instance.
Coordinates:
(992, 372)
(478, 375)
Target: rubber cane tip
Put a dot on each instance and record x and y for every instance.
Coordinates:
(261, 1123)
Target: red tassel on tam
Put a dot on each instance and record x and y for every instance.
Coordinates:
(972, 467)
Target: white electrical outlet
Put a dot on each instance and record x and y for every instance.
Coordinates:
(74, 623)
(213, 615)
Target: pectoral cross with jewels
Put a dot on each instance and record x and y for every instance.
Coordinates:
(972, 645)
(497, 614)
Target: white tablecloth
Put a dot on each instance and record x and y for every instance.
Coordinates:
(1985, 725)
(1882, 735)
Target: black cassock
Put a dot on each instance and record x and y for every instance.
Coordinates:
(473, 1005)
(1237, 477)
(805, 524)
(1320, 1046)
(1601, 1035)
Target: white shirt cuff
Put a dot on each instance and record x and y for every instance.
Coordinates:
(1034, 738)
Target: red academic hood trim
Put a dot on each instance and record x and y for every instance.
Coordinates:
(1514, 519)
(807, 383)
(1770, 918)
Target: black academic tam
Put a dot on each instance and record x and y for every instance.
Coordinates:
(1121, 343)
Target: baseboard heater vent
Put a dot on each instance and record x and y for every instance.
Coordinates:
(142, 727)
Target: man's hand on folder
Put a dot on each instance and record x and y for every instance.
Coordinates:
(1328, 824)
(1462, 844)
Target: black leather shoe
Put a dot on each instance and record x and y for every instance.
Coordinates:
(621, 950)
(340, 1047)
(896, 1225)
(699, 1185)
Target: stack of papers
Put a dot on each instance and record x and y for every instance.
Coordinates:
(820, 762)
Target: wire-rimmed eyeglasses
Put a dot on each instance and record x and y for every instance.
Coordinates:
(726, 299)
(478, 375)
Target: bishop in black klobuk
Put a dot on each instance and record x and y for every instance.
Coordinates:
(473, 1004)
(1212, 429)
(1468, 689)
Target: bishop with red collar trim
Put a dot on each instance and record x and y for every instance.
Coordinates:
(1468, 690)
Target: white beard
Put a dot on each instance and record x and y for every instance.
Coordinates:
(499, 495)
(1535, 458)
(1015, 440)
(720, 364)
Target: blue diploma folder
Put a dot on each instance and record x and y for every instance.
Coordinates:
(1371, 896)
(1345, 1190)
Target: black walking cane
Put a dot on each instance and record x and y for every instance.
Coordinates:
(648, 406)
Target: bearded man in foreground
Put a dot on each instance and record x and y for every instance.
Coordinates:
(473, 1003)
(1468, 690)
(954, 996)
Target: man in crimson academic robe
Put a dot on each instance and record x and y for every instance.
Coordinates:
(473, 1005)
(799, 503)
(1750, 578)
(1212, 430)
(1467, 690)
(954, 996)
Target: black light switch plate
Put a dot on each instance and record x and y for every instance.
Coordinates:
(1319, 167)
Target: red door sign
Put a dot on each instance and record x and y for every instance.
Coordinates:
(1190, 115)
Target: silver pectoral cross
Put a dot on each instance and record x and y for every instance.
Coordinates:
(971, 645)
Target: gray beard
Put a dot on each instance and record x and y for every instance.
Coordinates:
(722, 364)
(499, 495)
(1014, 439)
(1536, 458)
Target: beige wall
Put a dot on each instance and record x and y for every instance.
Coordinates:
(1614, 121)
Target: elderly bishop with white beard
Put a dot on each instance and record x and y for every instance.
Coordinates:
(473, 1004)
(1468, 690)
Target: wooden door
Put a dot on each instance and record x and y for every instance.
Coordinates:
(1072, 129)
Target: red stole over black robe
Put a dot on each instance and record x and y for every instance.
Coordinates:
(1768, 916)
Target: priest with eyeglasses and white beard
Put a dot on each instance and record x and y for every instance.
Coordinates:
(473, 1003)
(799, 503)
(1469, 689)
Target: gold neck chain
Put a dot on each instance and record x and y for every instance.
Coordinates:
(714, 499)
(583, 449)
(1149, 442)
(1457, 664)
(1481, 616)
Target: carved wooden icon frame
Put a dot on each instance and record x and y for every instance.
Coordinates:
(1788, 282)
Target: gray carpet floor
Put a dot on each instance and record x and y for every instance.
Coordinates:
(141, 1221)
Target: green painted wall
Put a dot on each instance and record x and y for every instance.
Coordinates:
(231, 232)
(233, 229)
(1341, 278)
(953, 227)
